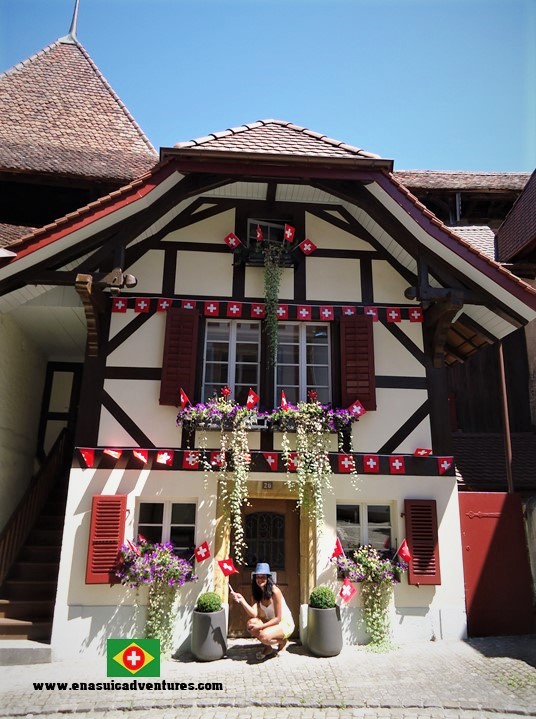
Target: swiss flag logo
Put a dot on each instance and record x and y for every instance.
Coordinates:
(304, 312)
(292, 462)
(347, 590)
(258, 311)
(372, 312)
(345, 463)
(289, 233)
(163, 304)
(415, 314)
(326, 313)
(212, 309)
(271, 460)
(119, 304)
(357, 409)
(393, 314)
(202, 552)
(371, 463)
(282, 312)
(141, 304)
(190, 460)
(444, 464)
(232, 241)
(349, 311)
(307, 247)
(165, 456)
(396, 465)
(234, 309)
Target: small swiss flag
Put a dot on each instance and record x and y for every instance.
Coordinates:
(284, 403)
(271, 460)
(372, 312)
(234, 309)
(348, 311)
(88, 455)
(232, 240)
(259, 236)
(444, 464)
(141, 304)
(347, 590)
(184, 398)
(292, 462)
(303, 312)
(393, 314)
(202, 552)
(307, 247)
(227, 566)
(397, 465)
(115, 453)
(338, 549)
(190, 459)
(252, 399)
(119, 304)
(216, 458)
(403, 551)
(357, 409)
(188, 305)
(163, 304)
(142, 455)
(422, 452)
(346, 463)
(289, 233)
(282, 312)
(326, 313)
(212, 309)
(415, 314)
(165, 456)
(258, 310)
(371, 463)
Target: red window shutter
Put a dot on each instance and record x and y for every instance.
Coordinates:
(179, 363)
(422, 538)
(106, 535)
(357, 361)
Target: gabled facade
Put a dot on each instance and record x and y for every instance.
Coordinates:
(386, 298)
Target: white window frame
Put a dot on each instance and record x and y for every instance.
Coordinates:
(363, 518)
(302, 366)
(166, 516)
(231, 362)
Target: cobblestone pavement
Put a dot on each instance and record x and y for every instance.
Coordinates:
(482, 678)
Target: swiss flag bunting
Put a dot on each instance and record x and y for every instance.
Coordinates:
(372, 312)
(303, 312)
(216, 458)
(415, 314)
(397, 465)
(422, 452)
(227, 566)
(163, 304)
(347, 590)
(292, 463)
(115, 453)
(326, 313)
(346, 463)
(88, 455)
(188, 305)
(371, 463)
(357, 409)
(271, 460)
(212, 308)
(289, 233)
(232, 240)
(234, 309)
(141, 304)
(141, 455)
(119, 304)
(307, 247)
(202, 552)
(165, 456)
(258, 311)
(338, 549)
(190, 459)
(282, 312)
(393, 314)
(348, 311)
(252, 399)
(444, 464)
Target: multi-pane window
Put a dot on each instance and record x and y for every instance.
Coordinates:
(359, 524)
(271, 231)
(232, 354)
(169, 522)
(303, 361)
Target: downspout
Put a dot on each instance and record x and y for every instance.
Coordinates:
(506, 421)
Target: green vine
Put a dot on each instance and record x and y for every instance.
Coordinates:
(161, 614)
(272, 282)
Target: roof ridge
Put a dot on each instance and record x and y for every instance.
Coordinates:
(462, 172)
(23, 63)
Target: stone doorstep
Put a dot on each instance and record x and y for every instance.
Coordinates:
(23, 651)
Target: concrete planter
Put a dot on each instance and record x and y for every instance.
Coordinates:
(324, 631)
(209, 635)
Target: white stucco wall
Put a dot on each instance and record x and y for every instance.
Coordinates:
(22, 374)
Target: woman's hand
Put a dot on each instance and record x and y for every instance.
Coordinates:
(239, 599)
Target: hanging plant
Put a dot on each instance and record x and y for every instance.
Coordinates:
(272, 283)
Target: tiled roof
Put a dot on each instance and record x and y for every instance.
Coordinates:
(276, 137)
(439, 180)
(59, 115)
(480, 460)
(481, 237)
(518, 231)
(10, 233)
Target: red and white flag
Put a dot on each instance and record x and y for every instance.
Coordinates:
(372, 312)
(252, 399)
(422, 452)
(403, 551)
(212, 309)
(307, 247)
(397, 465)
(292, 462)
(202, 552)
(163, 304)
(346, 463)
(258, 310)
(259, 234)
(141, 454)
(271, 460)
(326, 313)
(188, 305)
(190, 459)
(284, 403)
(282, 312)
(133, 547)
(304, 312)
(347, 590)
(165, 457)
(289, 233)
(184, 398)
(415, 315)
(119, 304)
(348, 311)
(357, 409)
(234, 309)
(338, 549)
(371, 463)
(115, 453)
(216, 458)
(393, 314)
(444, 464)
(88, 455)
(231, 240)
(141, 304)
(227, 566)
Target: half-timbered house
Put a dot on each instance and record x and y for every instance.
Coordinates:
(376, 296)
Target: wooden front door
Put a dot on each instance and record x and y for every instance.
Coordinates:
(272, 533)
(498, 589)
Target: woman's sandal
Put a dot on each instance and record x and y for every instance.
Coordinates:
(264, 653)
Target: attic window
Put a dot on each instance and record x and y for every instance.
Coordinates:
(271, 231)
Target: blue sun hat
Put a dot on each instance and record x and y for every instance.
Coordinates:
(262, 568)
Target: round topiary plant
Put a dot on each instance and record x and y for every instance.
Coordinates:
(322, 597)
(208, 602)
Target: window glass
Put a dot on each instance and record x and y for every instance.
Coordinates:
(232, 354)
(303, 361)
(272, 231)
(151, 513)
(364, 524)
(379, 527)
(349, 527)
(169, 522)
(183, 514)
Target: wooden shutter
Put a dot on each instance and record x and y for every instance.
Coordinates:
(357, 361)
(422, 538)
(106, 535)
(179, 363)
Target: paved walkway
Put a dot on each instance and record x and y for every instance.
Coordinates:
(481, 678)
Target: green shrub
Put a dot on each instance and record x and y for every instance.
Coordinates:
(322, 597)
(208, 602)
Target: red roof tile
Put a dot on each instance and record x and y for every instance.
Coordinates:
(480, 460)
(481, 237)
(275, 137)
(443, 180)
(59, 115)
(518, 231)
(10, 233)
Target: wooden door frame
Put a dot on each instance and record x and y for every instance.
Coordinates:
(307, 534)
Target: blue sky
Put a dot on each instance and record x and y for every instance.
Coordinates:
(431, 84)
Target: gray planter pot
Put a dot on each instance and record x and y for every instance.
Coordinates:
(209, 635)
(324, 631)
